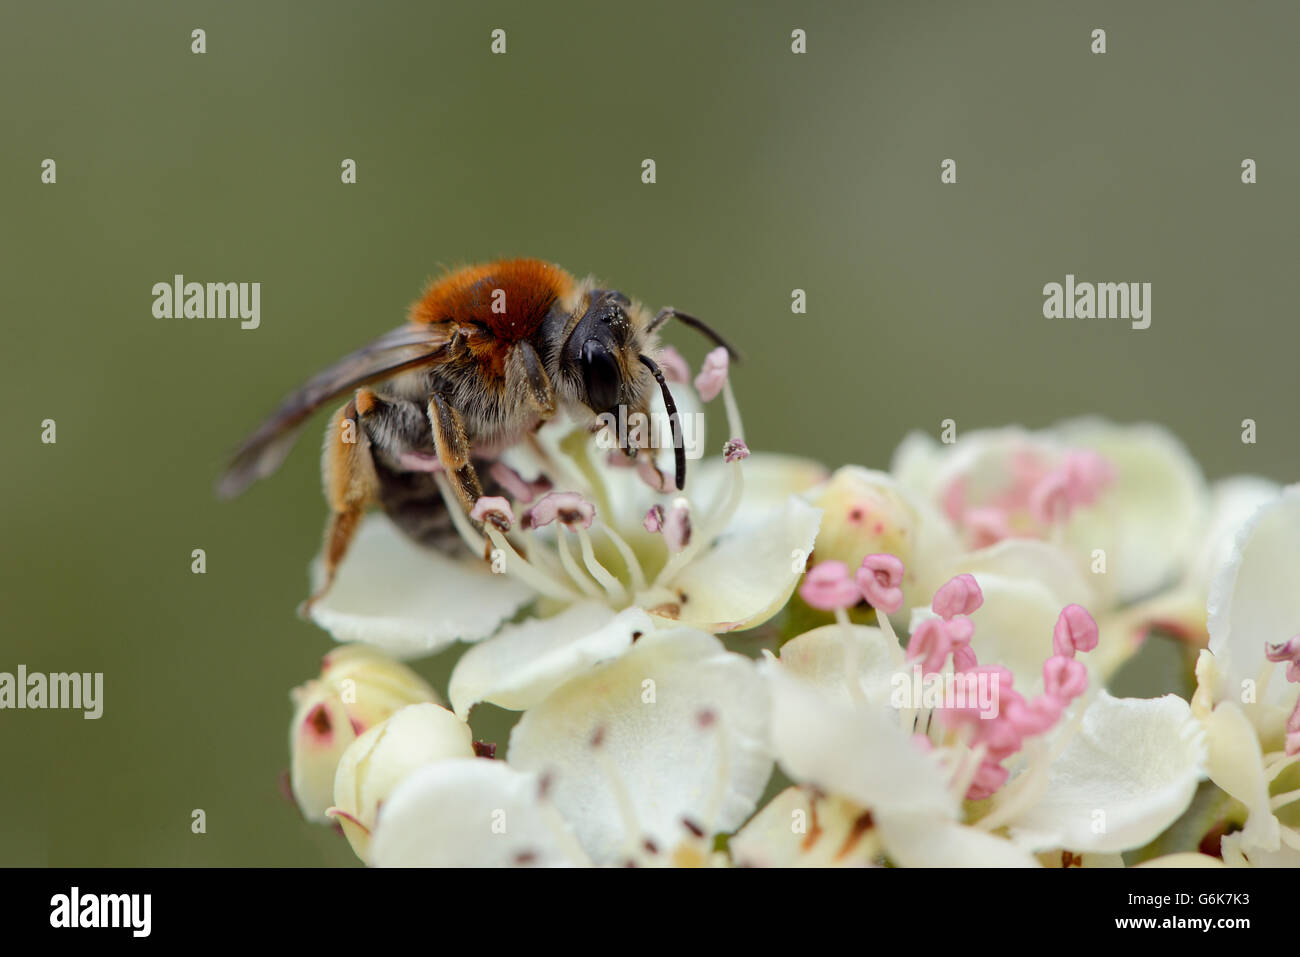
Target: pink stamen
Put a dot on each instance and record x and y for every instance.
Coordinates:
(677, 527)
(1050, 501)
(519, 488)
(494, 509)
(713, 374)
(986, 525)
(569, 507)
(1288, 651)
(1087, 475)
(419, 462)
(735, 450)
(675, 368)
(880, 577)
(958, 596)
(1075, 631)
(828, 587)
(1064, 678)
(1001, 735)
(654, 519)
(930, 643)
(650, 474)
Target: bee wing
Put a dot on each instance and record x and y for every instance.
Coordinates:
(407, 347)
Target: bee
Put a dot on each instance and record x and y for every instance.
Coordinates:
(488, 354)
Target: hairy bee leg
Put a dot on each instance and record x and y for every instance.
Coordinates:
(351, 484)
(452, 446)
(526, 374)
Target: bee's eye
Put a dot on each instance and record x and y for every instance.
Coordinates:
(599, 376)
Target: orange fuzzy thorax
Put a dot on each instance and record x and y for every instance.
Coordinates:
(510, 297)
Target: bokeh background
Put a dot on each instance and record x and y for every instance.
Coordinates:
(775, 171)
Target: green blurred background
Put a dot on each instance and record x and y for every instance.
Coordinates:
(775, 171)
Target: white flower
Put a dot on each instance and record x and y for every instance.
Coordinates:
(358, 688)
(733, 564)
(640, 759)
(1245, 701)
(375, 763)
(1108, 775)
(1130, 491)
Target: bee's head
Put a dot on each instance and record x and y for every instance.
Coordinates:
(604, 362)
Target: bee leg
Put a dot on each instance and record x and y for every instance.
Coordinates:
(452, 446)
(526, 376)
(351, 484)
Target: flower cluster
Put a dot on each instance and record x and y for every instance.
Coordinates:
(788, 666)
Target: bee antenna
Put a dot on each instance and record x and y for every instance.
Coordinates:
(679, 444)
(699, 325)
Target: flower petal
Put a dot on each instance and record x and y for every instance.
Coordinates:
(822, 655)
(855, 753)
(410, 600)
(1254, 600)
(1126, 775)
(470, 812)
(770, 479)
(375, 763)
(677, 724)
(917, 841)
(1148, 521)
(747, 577)
(799, 829)
(524, 663)
(1236, 765)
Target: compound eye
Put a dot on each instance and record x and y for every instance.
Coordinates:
(599, 376)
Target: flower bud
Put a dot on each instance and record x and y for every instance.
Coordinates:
(375, 763)
(863, 514)
(357, 689)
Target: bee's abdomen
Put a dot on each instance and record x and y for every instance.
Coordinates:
(412, 502)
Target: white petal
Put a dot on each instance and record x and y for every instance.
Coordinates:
(1232, 503)
(1254, 600)
(1237, 766)
(1127, 774)
(526, 662)
(375, 763)
(796, 829)
(821, 657)
(854, 753)
(1235, 854)
(1147, 521)
(410, 600)
(747, 577)
(470, 812)
(647, 705)
(770, 479)
(917, 841)
(1185, 859)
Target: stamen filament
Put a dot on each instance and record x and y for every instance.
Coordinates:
(458, 516)
(579, 577)
(613, 587)
(530, 574)
(628, 556)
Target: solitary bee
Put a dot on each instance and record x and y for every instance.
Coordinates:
(488, 354)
